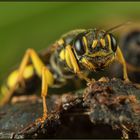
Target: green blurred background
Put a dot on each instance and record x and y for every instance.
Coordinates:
(37, 24)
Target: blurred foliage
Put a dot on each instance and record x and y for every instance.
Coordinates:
(37, 24)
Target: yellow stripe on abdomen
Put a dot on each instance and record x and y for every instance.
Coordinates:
(11, 81)
(12, 78)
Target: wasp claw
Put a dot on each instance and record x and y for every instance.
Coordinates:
(41, 120)
(127, 81)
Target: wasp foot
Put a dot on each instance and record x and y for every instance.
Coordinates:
(41, 120)
(127, 80)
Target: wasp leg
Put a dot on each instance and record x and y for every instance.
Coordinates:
(83, 76)
(44, 91)
(72, 59)
(19, 78)
(29, 54)
(41, 70)
(75, 64)
(120, 58)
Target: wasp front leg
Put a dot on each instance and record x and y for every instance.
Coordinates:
(120, 58)
(72, 63)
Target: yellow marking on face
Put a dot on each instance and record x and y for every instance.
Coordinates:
(85, 42)
(94, 44)
(62, 54)
(109, 40)
(98, 54)
(88, 64)
(60, 42)
(102, 42)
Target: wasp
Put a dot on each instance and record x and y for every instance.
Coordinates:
(75, 53)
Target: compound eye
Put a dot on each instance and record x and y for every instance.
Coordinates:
(113, 43)
(79, 46)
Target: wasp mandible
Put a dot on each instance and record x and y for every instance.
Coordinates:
(74, 53)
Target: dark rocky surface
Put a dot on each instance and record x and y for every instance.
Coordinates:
(105, 109)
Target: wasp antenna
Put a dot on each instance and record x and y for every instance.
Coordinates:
(117, 26)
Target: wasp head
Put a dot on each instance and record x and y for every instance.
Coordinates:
(95, 49)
